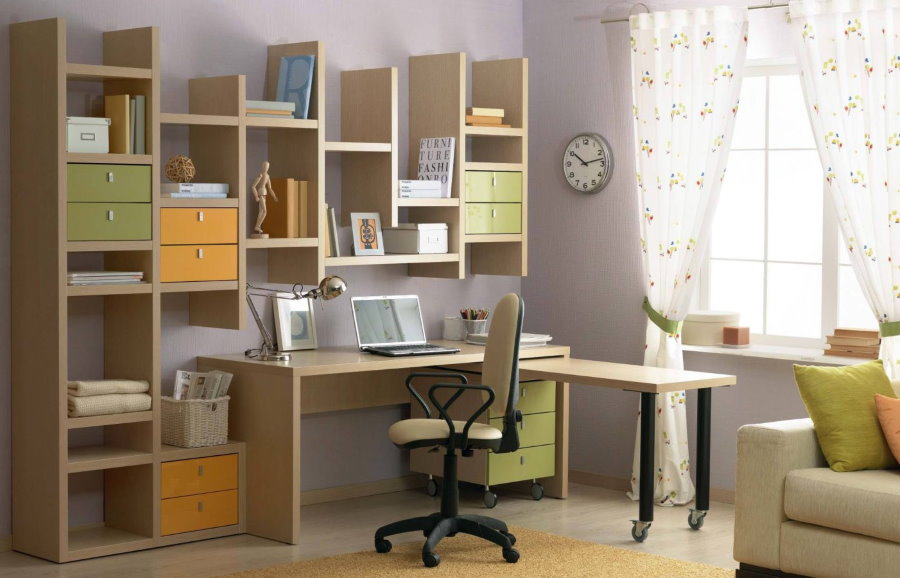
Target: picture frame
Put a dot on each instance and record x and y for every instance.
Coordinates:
(367, 237)
(295, 322)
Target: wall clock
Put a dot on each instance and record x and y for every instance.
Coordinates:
(587, 163)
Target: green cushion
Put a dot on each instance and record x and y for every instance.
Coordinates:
(841, 403)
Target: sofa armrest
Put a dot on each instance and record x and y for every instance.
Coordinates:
(766, 453)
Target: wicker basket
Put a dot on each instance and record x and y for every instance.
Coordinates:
(194, 423)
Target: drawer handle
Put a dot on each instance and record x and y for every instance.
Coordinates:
(110, 215)
(200, 470)
(200, 216)
(494, 213)
(110, 177)
(522, 460)
(493, 180)
(523, 423)
(200, 507)
(524, 389)
(199, 253)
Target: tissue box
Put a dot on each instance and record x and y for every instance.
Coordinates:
(85, 134)
(705, 327)
(416, 238)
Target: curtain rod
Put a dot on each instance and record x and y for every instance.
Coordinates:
(605, 21)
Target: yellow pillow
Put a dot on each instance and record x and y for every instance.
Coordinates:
(841, 403)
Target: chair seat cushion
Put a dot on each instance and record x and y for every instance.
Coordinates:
(425, 432)
(864, 502)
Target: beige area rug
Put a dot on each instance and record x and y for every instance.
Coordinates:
(542, 555)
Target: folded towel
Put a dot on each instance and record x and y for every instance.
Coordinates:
(107, 404)
(106, 386)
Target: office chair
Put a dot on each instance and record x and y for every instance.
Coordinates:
(500, 390)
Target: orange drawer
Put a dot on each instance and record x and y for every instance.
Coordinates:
(191, 513)
(198, 226)
(198, 263)
(202, 475)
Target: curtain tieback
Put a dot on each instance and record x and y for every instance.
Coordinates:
(674, 327)
(889, 328)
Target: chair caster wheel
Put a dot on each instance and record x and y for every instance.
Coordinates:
(511, 555)
(431, 559)
(639, 530)
(431, 488)
(695, 519)
(490, 499)
(382, 546)
(512, 538)
(537, 491)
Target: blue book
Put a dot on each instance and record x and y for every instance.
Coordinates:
(295, 77)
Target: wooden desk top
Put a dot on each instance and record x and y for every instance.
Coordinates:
(620, 375)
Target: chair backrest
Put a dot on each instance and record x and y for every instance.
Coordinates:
(500, 369)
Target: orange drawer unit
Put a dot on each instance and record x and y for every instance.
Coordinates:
(198, 494)
(198, 226)
(198, 263)
(199, 512)
(199, 476)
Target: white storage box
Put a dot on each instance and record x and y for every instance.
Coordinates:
(86, 134)
(705, 327)
(416, 238)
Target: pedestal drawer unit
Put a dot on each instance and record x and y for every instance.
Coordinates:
(198, 494)
(108, 202)
(493, 202)
(198, 244)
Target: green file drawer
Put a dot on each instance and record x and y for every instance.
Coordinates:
(535, 429)
(493, 187)
(534, 397)
(493, 218)
(525, 464)
(108, 221)
(108, 183)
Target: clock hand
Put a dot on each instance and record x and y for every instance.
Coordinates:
(593, 161)
(579, 158)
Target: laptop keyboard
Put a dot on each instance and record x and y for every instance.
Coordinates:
(412, 347)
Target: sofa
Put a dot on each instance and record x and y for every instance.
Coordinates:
(796, 516)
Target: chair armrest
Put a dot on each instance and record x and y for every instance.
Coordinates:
(413, 376)
(766, 453)
(442, 409)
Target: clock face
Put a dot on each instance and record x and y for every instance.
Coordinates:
(587, 163)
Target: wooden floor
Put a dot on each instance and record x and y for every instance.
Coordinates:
(590, 513)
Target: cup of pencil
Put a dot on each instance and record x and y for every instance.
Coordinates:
(474, 319)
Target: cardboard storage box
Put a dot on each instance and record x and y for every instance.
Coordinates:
(85, 134)
(416, 238)
(705, 327)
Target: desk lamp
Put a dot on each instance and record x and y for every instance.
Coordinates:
(330, 287)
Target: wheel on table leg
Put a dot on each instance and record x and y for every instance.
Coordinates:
(511, 555)
(537, 491)
(490, 499)
(639, 530)
(430, 559)
(431, 488)
(382, 546)
(695, 519)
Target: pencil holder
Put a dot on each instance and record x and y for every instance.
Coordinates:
(454, 328)
(475, 326)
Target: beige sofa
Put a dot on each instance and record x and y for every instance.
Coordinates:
(795, 516)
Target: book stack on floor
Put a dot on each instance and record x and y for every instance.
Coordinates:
(270, 109)
(481, 116)
(288, 218)
(194, 190)
(108, 396)
(104, 277)
(863, 343)
(127, 115)
(420, 189)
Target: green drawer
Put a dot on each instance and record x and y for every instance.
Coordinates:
(109, 221)
(525, 464)
(108, 183)
(493, 187)
(535, 397)
(535, 429)
(493, 218)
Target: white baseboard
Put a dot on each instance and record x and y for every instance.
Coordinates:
(6, 543)
(623, 485)
(360, 490)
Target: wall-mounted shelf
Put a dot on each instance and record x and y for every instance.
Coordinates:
(495, 238)
(108, 159)
(77, 71)
(492, 131)
(358, 147)
(391, 259)
(111, 289)
(92, 458)
(200, 203)
(278, 243)
(198, 119)
(427, 202)
(297, 123)
(479, 166)
(102, 246)
(199, 286)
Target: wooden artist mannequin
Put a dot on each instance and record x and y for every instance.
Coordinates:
(261, 187)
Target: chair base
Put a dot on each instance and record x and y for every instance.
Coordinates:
(435, 527)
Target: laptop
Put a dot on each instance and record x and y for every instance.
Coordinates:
(392, 325)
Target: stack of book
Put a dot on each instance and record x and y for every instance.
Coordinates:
(480, 116)
(104, 277)
(864, 343)
(420, 189)
(194, 190)
(270, 109)
(127, 117)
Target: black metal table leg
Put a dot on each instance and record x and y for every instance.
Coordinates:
(648, 435)
(701, 504)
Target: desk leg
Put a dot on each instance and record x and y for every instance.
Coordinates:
(641, 526)
(558, 485)
(701, 504)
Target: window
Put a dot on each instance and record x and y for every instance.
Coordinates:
(775, 253)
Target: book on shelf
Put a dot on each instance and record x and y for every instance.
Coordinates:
(106, 281)
(854, 348)
(471, 118)
(489, 125)
(484, 111)
(327, 233)
(295, 78)
(852, 341)
(436, 162)
(199, 385)
(269, 115)
(195, 195)
(139, 138)
(104, 277)
(838, 353)
(116, 107)
(282, 216)
(169, 188)
(270, 105)
(272, 113)
(333, 233)
(132, 118)
(851, 332)
(420, 189)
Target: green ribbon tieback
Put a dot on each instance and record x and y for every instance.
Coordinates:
(674, 327)
(889, 328)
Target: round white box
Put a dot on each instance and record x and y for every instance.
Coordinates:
(705, 327)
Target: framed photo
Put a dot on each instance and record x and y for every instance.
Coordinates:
(366, 234)
(295, 322)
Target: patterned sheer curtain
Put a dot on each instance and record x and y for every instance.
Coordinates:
(849, 56)
(686, 78)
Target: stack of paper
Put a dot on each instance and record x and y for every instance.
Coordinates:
(525, 340)
(104, 277)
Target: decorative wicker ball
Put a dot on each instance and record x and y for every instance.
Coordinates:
(180, 169)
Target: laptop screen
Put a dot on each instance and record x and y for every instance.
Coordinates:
(388, 320)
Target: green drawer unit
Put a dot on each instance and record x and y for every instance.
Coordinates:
(535, 429)
(534, 397)
(108, 183)
(485, 218)
(109, 221)
(525, 464)
(493, 187)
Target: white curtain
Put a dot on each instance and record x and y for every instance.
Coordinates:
(849, 55)
(686, 77)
